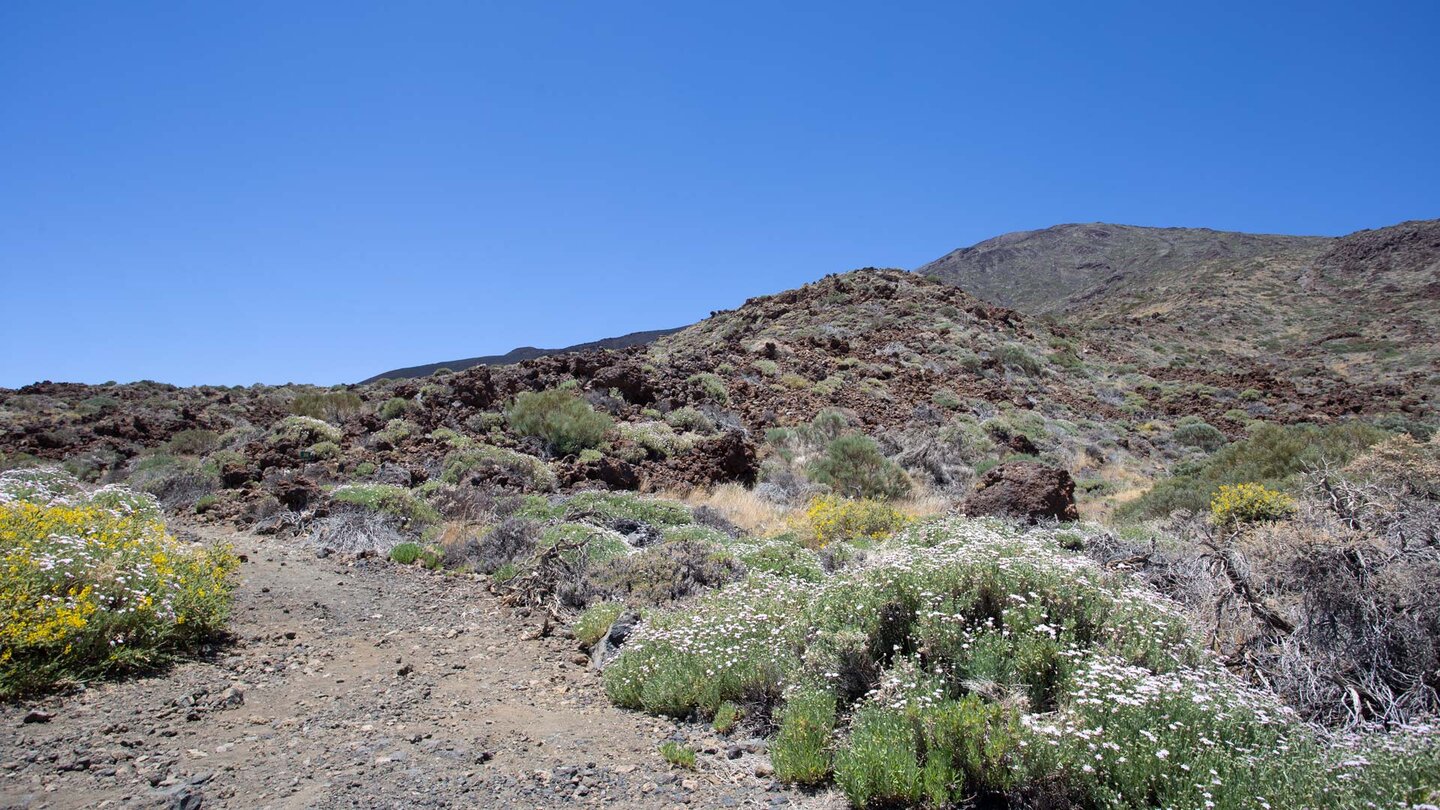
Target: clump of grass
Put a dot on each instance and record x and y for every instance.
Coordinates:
(711, 387)
(595, 622)
(678, 755)
(801, 751)
(328, 405)
(409, 553)
(388, 498)
(469, 458)
(726, 717)
(611, 506)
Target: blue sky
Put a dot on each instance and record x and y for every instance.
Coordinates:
(279, 191)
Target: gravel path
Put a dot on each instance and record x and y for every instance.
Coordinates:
(366, 684)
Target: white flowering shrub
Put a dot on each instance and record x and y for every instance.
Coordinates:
(93, 585)
(970, 661)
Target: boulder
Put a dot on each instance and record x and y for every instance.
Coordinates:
(1024, 489)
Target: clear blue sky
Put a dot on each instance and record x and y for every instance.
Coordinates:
(274, 191)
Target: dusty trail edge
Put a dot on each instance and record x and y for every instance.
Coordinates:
(362, 683)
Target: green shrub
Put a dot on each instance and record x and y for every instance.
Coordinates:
(411, 553)
(658, 439)
(781, 556)
(794, 382)
(394, 408)
(537, 508)
(801, 751)
(880, 765)
(1192, 431)
(329, 406)
(592, 545)
(1013, 355)
(690, 419)
(854, 466)
(711, 387)
(395, 432)
(1273, 455)
(566, 423)
(604, 507)
(1400, 423)
(217, 461)
(944, 398)
(321, 451)
(681, 756)
(695, 533)
(595, 622)
(304, 431)
(193, 442)
(365, 469)
(389, 499)
(766, 367)
(664, 573)
(406, 553)
(533, 473)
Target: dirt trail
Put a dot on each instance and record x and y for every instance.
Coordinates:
(366, 684)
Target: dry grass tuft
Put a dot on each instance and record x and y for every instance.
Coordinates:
(740, 506)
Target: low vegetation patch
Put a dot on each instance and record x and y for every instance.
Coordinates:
(92, 585)
(389, 499)
(1275, 456)
(829, 519)
(968, 661)
(678, 754)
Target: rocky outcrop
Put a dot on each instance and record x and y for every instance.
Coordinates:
(1024, 489)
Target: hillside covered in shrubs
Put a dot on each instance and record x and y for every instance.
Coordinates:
(933, 551)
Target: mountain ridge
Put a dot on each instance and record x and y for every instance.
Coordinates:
(520, 353)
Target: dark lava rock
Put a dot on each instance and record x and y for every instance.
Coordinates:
(1024, 489)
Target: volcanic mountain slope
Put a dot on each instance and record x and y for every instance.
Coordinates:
(522, 353)
(946, 383)
(1363, 308)
(1048, 271)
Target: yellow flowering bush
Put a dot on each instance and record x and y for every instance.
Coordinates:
(92, 587)
(1249, 503)
(830, 518)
